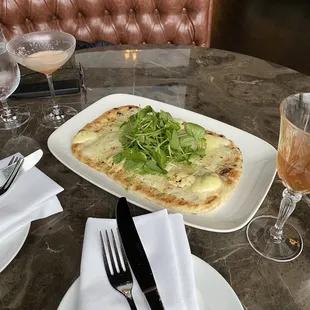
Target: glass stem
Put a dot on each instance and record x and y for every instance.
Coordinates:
(306, 199)
(56, 110)
(288, 204)
(7, 115)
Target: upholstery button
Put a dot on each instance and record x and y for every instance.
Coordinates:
(169, 42)
(27, 21)
(54, 17)
(106, 12)
(193, 43)
(142, 42)
(156, 11)
(80, 14)
(184, 10)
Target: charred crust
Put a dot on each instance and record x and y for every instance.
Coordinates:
(225, 171)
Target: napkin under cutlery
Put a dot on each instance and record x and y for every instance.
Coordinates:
(165, 242)
(32, 196)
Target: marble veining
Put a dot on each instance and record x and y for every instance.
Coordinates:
(242, 91)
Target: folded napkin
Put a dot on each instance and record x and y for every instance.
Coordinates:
(33, 196)
(165, 242)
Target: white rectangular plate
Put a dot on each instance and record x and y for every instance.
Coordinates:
(259, 163)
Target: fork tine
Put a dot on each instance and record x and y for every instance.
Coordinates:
(114, 268)
(12, 176)
(125, 259)
(14, 172)
(121, 279)
(104, 255)
(117, 254)
(13, 160)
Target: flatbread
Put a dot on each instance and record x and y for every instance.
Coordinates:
(223, 158)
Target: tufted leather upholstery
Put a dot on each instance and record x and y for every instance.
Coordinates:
(116, 21)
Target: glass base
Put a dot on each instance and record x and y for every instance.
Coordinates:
(50, 119)
(284, 250)
(16, 144)
(19, 116)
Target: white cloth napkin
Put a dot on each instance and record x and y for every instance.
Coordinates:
(165, 242)
(33, 196)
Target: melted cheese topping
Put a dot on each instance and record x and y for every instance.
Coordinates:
(208, 183)
(196, 182)
(215, 142)
(104, 147)
(85, 136)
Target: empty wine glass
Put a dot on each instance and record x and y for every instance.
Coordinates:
(14, 117)
(272, 237)
(45, 52)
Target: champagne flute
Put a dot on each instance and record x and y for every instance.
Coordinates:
(10, 118)
(45, 52)
(272, 237)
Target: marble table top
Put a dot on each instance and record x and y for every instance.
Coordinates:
(239, 90)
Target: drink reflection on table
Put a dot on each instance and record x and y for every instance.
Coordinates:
(274, 238)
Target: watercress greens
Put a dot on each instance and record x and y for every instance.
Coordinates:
(150, 139)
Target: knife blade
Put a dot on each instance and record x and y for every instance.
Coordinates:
(29, 162)
(136, 255)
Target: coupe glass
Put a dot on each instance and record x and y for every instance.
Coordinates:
(10, 118)
(272, 237)
(45, 52)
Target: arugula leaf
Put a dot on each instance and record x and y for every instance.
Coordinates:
(133, 165)
(134, 155)
(141, 139)
(152, 168)
(143, 112)
(160, 157)
(127, 127)
(176, 126)
(165, 116)
(174, 141)
(118, 158)
(168, 134)
(194, 130)
(132, 118)
(187, 141)
(201, 152)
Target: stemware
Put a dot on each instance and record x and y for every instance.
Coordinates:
(45, 52)
(14, 117)
(272, 237)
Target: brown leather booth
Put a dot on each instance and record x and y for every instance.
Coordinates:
(116, 21)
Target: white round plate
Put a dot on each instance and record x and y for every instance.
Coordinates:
(214, 293)
(10, 246)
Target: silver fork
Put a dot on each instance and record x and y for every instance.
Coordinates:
(119, 276)
(14, 173)
(13, 160)
(5, 173)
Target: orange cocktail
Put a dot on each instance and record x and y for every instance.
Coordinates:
(275, 238)
(294, 157)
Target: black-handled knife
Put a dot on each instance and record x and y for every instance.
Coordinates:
(136, 255)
